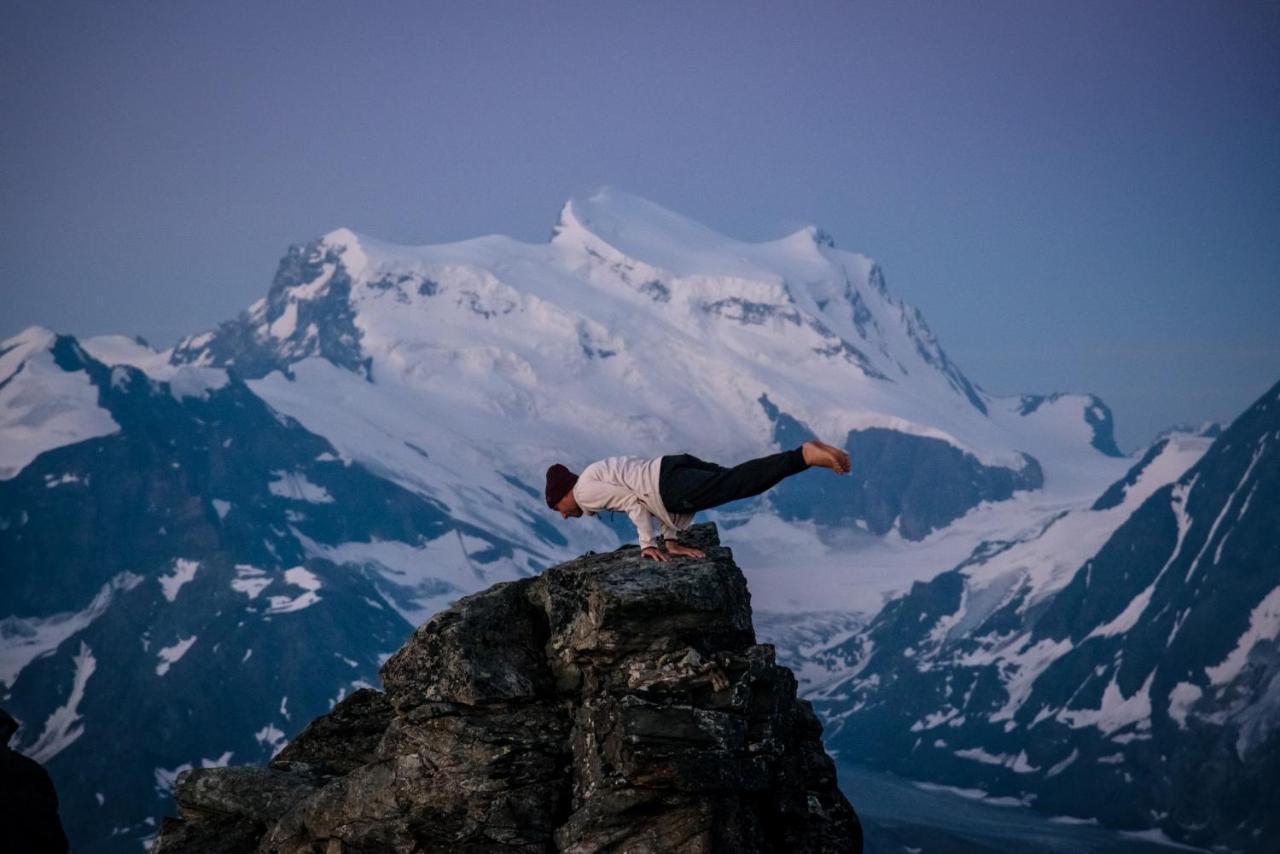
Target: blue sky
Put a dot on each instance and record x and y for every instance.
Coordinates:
(1079, 196)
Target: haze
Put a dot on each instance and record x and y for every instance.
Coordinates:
(1079, 197)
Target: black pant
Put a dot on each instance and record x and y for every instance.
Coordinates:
(687, 484)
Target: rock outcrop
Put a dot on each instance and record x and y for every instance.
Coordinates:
(609, 704)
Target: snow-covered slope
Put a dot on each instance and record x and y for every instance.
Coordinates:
(42, 405)
(1116, 662)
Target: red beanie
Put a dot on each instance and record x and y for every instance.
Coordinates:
(559, 481)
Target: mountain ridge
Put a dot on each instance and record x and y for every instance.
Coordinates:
(1146, 652)
(366, 444)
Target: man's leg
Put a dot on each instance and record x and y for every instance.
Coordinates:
(688, 484)
(680, 475)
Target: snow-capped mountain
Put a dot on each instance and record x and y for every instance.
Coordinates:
(462, 371)
(1117, 662)
(166, 598)
(266, 509)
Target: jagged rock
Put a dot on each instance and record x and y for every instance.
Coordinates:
(610, 704)
(228, 809)
(487, 648)
(342, 740)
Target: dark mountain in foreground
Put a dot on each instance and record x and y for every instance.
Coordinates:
(1141, 689)
(609, 704)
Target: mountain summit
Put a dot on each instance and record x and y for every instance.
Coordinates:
(612, 256)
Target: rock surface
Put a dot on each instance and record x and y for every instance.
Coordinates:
(610, 704)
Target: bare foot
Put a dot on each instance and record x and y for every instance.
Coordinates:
(821, 454)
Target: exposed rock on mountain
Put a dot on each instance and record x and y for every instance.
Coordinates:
(320, 325)
(1120, 663)
(609, 704)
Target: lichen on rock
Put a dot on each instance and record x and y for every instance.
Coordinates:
(609, 704)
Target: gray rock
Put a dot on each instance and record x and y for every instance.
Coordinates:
(342, 740)
(486, 648)
(261, 795)
(227, 810)
(610, 704)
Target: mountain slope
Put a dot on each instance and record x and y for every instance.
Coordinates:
(45, 402)
(193, 554)
(1132, 641)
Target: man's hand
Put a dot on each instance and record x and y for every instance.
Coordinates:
(655, 553)
(676, 549)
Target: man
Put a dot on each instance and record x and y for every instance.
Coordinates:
(672, 488)
(28, 803)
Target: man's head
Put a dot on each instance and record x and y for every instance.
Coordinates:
(560, 498)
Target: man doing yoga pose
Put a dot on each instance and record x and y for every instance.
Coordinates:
(672, 488)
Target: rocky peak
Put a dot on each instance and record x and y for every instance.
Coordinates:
(307, 312)
(609, 704)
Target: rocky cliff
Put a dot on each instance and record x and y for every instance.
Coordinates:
(609, 704)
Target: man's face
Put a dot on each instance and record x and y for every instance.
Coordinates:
(567, 506)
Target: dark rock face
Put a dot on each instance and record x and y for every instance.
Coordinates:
(342, 740)
(611, 704)
(916, 483)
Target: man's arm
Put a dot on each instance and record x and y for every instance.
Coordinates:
(643, 520)
(596, 495)
(644, 527)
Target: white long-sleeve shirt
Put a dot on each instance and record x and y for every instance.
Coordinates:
(629, 485)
